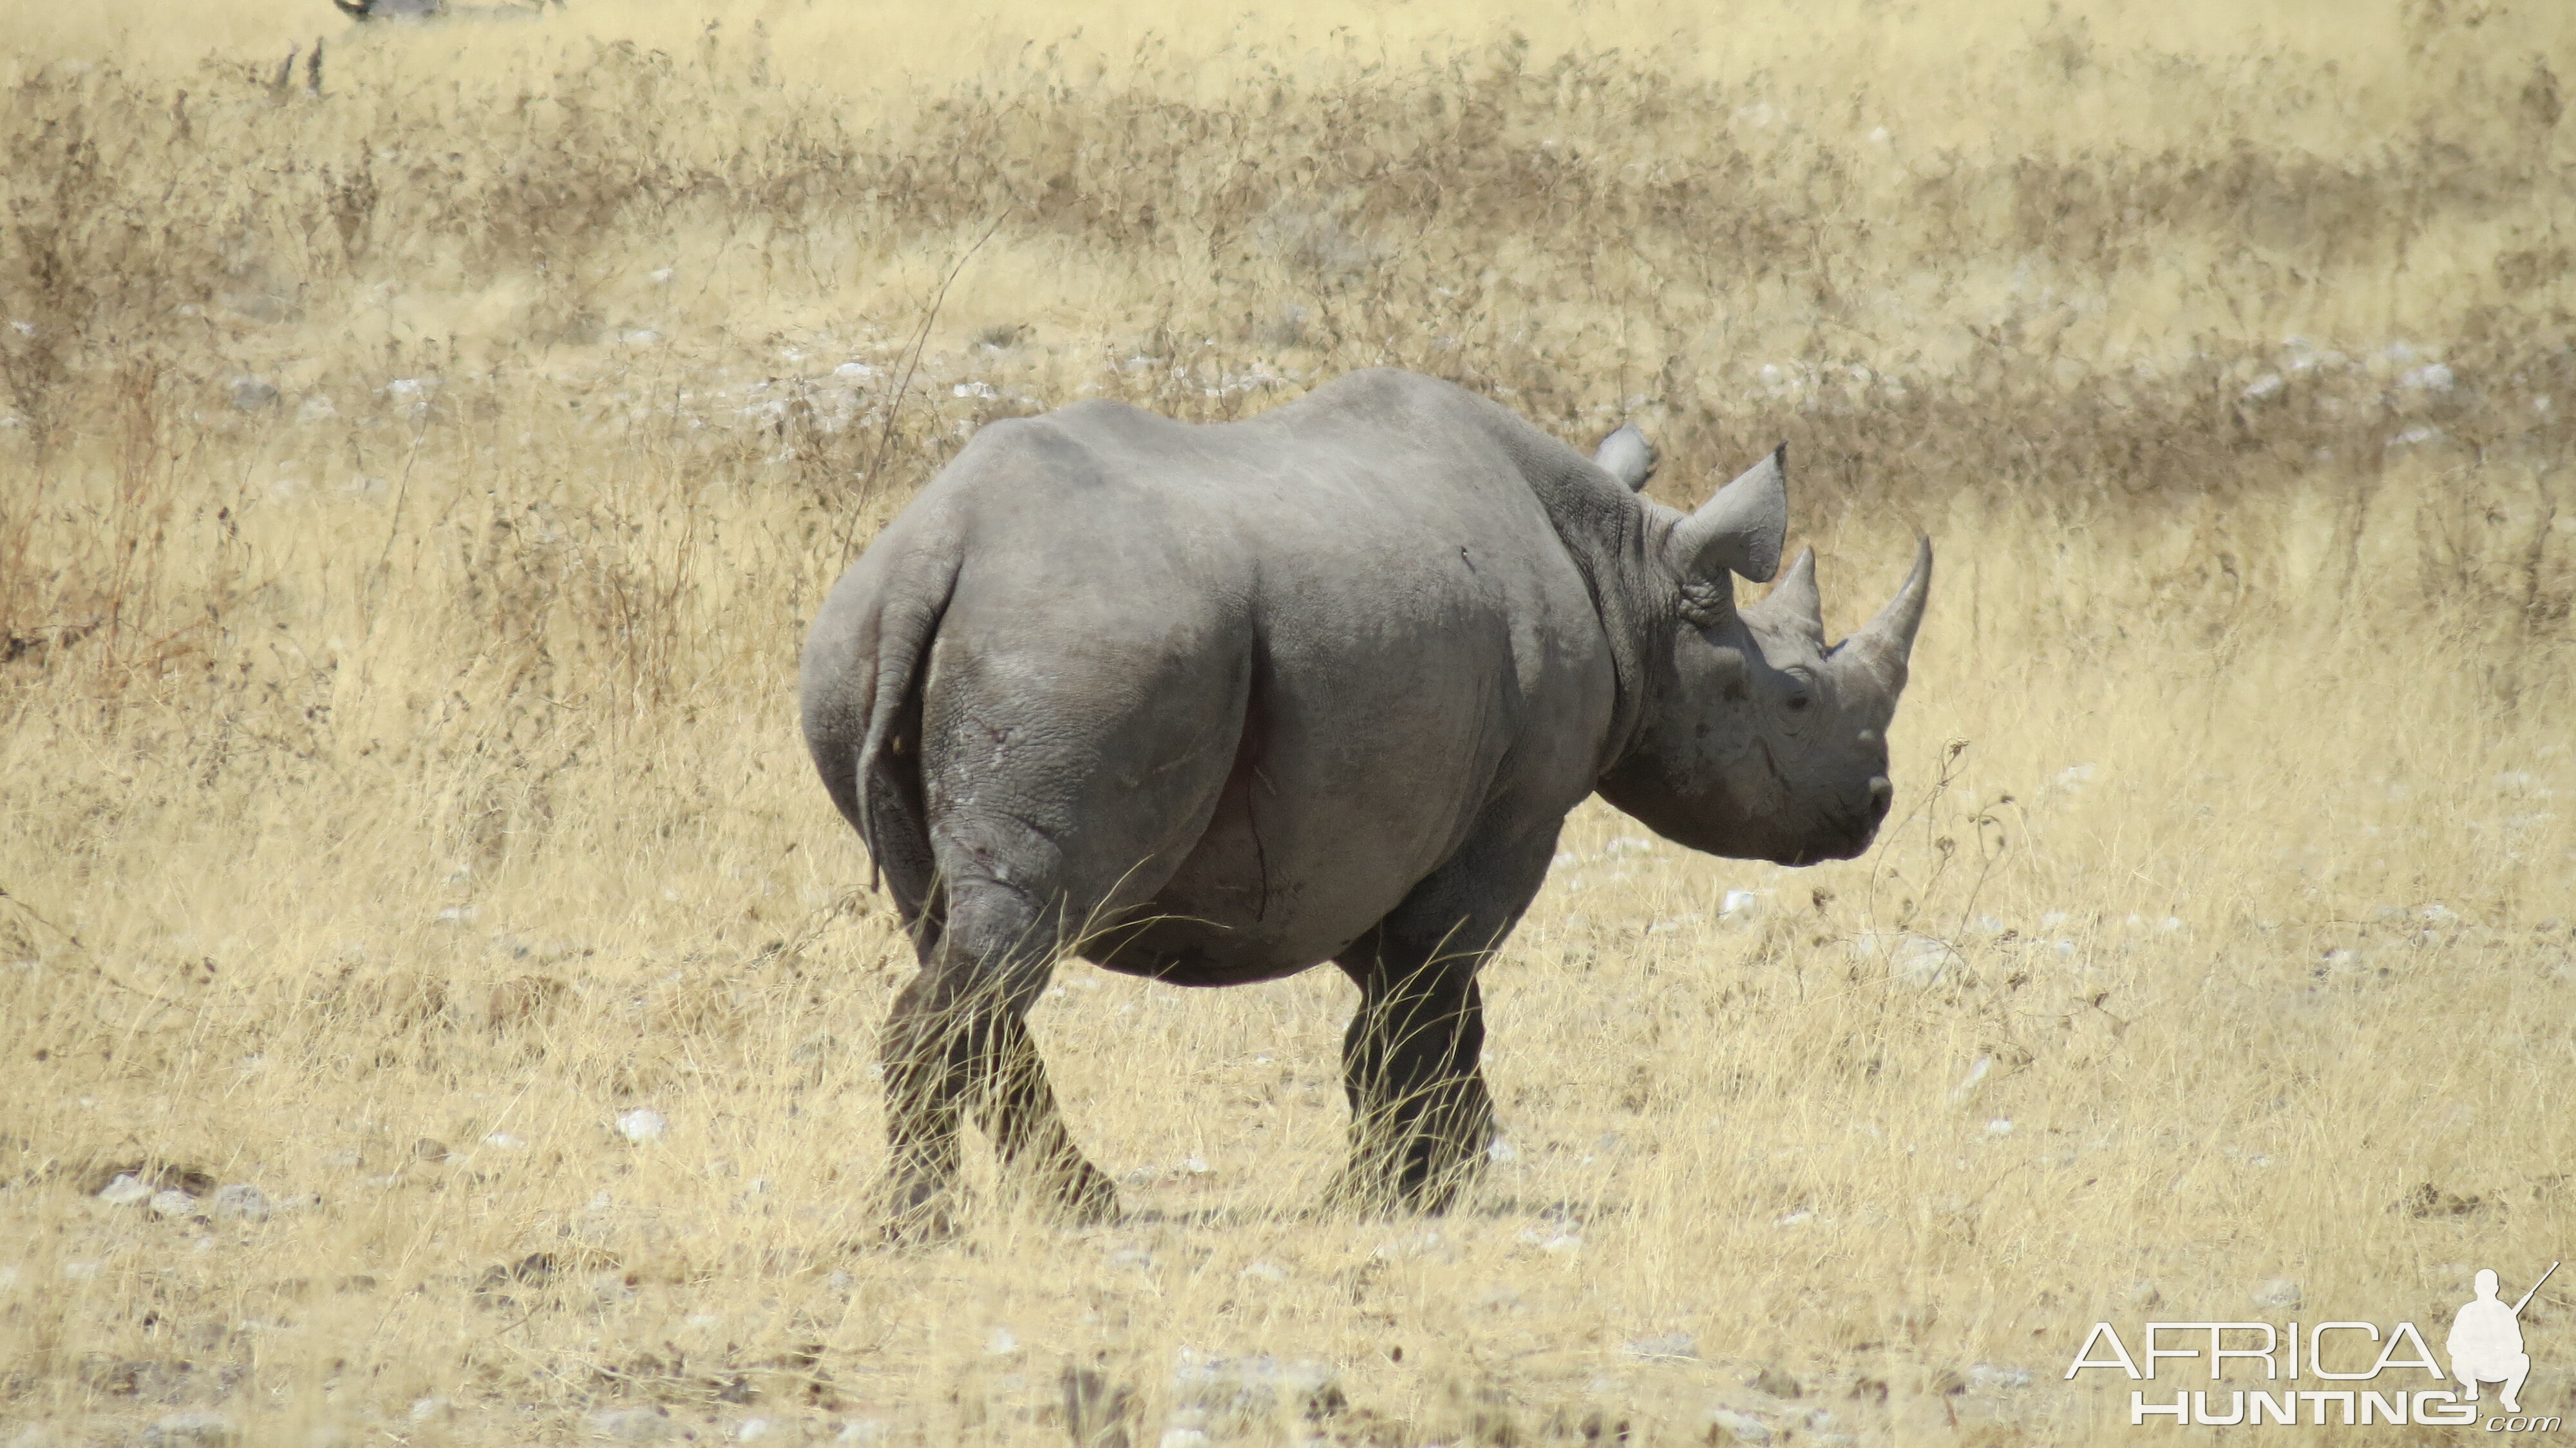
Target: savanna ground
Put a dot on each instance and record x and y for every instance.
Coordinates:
(418, 470)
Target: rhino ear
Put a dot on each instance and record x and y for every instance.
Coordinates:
(1741, 529)
(1627, 456)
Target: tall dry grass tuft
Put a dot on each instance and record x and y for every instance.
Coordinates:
(419, 467)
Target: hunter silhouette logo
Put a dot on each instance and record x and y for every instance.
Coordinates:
(2485, 1346)
(2486, 1342)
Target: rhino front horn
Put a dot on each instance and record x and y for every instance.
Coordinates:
(1888, 639)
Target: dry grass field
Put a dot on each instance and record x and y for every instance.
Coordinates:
(421, 450)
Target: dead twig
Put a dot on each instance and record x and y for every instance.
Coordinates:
(894, 408)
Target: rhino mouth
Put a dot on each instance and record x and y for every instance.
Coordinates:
(1839, 836)
(1853, 844)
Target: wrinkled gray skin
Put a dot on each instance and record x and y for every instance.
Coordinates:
(1215, 704)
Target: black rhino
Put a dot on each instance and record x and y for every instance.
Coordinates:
(1218, 703)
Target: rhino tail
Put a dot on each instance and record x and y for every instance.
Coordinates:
(883, 773)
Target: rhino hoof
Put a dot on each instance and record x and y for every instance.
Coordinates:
(918, 1214)
(1090, 1199)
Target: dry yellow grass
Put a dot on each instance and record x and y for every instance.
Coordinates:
(399, 782)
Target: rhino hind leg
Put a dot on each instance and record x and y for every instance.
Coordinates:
(958, 1041)
(1016, 1108)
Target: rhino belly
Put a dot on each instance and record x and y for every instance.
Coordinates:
(1301, 856)
(1236, 912)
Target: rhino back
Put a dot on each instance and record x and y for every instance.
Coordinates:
(1245, 684)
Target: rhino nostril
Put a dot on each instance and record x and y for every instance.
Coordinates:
(1881, 794)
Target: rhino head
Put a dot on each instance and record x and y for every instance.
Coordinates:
(1757, 739)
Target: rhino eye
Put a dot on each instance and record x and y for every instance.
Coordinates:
(1795, 702)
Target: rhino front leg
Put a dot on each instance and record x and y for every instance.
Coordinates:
(1421, 1116)
(958, 1040)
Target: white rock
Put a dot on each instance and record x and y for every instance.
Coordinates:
(862, 1430)
(1996, 1378)
(1233, 1397)
(191, 1430)
(240, 1202)
(125, 1190)
(1922, 961)
(504, 1141)
(173, 1203)
(429, 1410)
(252, 393)
(1193, 1166)
(1999, 1127)
(2279, 1292)
(2267, 385)
(751, 1430)
(1002, 1343)
(1667, 1345)
(2432, 377)
(642, 1124)
(316, 408)
(1739, 1426)
(1739, 904)
(1264, 1272)
(1502, 1150)
(632, 1425)
(1976, 1075)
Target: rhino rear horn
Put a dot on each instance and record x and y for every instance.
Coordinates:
(1793, 602)
(359, 11)
(1741, 529)
(1627, 456)
(1888, 640)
